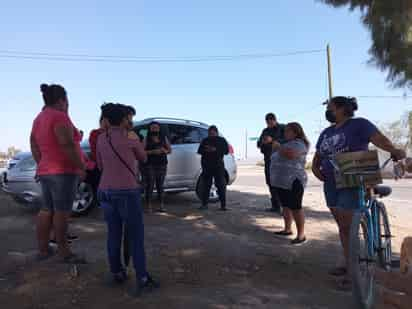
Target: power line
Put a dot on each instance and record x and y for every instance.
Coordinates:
(405, 97)
(5, 54)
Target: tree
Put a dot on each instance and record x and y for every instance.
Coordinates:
(400, 131)
(390, 25)
(12, 151)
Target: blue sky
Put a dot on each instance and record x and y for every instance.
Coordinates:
(234, 95)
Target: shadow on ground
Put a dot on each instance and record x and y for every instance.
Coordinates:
(204, 259)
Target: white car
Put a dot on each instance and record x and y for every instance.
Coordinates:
(183, 173)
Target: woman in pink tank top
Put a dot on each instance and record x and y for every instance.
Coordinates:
(55, 145)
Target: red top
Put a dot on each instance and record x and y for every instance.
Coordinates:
(53, 160)
(115, 175)
(93, 142)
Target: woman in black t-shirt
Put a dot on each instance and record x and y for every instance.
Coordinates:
(157, 147)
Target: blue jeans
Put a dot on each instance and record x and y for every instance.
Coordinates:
(123, 208)
(347, 199)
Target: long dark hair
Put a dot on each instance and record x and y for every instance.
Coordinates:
(298, 130)
(52, 94)
(162, 137)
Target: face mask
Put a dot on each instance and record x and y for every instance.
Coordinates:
(153, 133)
(330, 116)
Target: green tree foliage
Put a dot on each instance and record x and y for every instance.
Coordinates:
(390, 25)
(400, 132)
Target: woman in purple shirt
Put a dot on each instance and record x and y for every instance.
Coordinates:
(120, 196)
(346, 134)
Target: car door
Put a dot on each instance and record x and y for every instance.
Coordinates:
(192, 136)
(184, 163)
(176, 167)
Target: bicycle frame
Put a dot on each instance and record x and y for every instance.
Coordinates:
(368, 207)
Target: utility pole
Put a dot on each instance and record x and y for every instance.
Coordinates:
(246, 138)
(329, 71)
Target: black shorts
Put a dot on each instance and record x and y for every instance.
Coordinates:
(292, 199)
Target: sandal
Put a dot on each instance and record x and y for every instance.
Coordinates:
(41, 257)
(298, 241)
(74, 259)
(71, 237)
(338, 271)
(284, 233)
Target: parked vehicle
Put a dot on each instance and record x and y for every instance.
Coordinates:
(19, 181)
(183, 173)
(9, 164)
(184, 167)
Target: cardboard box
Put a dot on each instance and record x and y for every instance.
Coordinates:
(361, 161)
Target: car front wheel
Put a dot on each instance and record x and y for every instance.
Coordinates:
(84, 200)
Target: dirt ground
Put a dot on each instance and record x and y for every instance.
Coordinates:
(202, 259)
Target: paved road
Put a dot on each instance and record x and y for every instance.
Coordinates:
(253, 177)
(399, 203)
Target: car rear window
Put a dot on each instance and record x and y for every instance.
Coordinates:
(184, 134)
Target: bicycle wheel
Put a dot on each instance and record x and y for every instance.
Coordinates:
(384, 238)
(362, 263)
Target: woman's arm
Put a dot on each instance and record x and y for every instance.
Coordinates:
(35, 150)
(289, 153)
(382, 142)
(316, 167)
(139, 150)
(99, 160)
(64, 135)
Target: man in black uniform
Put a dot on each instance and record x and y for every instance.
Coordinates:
(213, 149)
(274, 133)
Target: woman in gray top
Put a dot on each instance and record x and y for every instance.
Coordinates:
(288, 176)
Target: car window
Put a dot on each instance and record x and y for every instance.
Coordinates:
(27, 164)
(203, 134)
(141, 132)
(182, 134)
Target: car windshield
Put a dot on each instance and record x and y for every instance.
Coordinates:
(26, 164)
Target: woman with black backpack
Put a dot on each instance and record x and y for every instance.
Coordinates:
(157, 148)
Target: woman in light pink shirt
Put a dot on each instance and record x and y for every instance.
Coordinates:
(120, 196)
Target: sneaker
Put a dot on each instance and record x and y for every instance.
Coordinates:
(113, 280)
(344, 285)
(147, 286)
(161, 208)
(53, 242)
(203, 207)
(73, 259)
